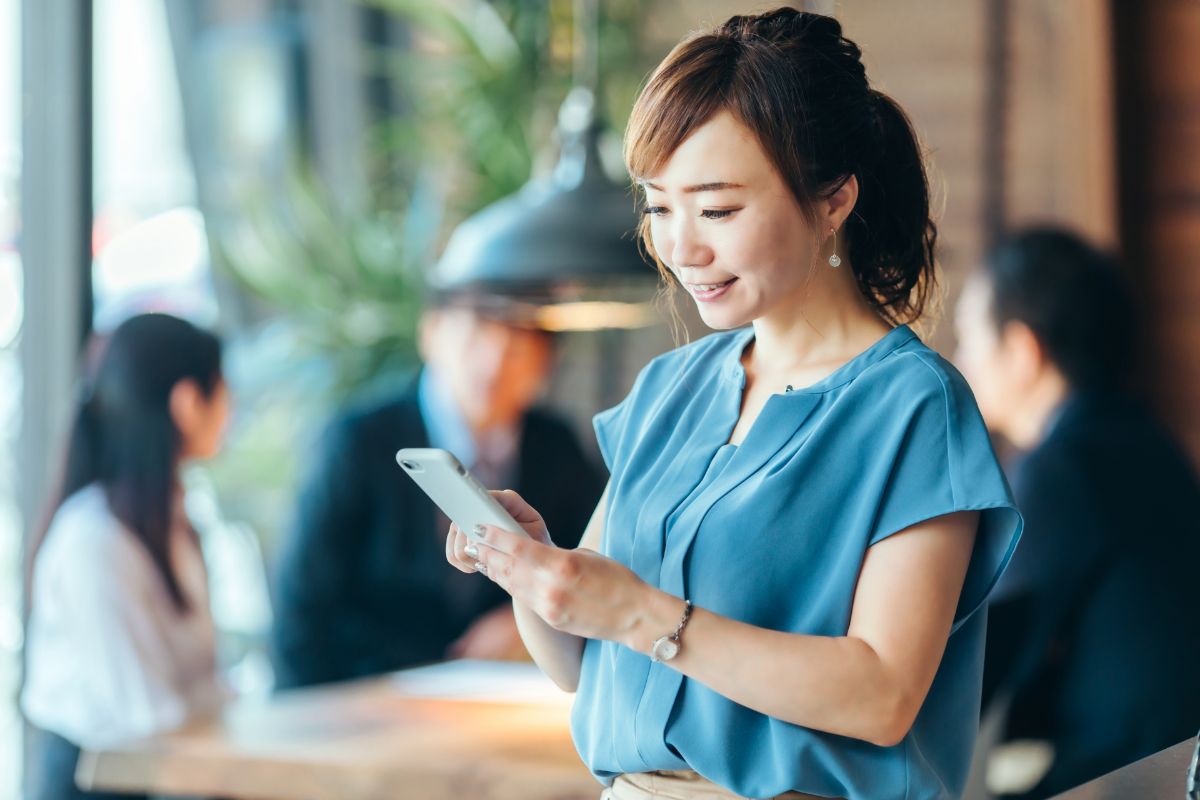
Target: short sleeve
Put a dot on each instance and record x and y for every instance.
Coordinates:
(942, 461)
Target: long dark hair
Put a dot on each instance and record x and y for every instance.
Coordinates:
(793, 79)
(123, 436)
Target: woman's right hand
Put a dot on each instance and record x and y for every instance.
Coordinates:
(526, 515)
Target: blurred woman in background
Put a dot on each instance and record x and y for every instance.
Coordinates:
(120, 638)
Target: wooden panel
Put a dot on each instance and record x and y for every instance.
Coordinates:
(930, 58)
(1061, 149)
(1165, 221)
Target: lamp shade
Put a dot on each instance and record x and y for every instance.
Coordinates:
(569, 232)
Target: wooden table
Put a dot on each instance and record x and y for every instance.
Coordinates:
(448, 731)
(1162, 775)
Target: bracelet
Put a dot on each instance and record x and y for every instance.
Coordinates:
(687, 614)
(666, 648)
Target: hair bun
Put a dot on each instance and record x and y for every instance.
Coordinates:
(791, 28)
(783, 25)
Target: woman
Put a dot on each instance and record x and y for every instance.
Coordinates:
(120, 637)
(781, 592)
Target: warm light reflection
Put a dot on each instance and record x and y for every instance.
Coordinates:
(594, 315)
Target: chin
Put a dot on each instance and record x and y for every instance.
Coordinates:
(721, 320)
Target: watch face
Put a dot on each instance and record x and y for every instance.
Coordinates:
(666, 649)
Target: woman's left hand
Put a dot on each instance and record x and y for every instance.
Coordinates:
(575, 591)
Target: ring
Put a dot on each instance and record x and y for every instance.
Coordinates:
(481, 567)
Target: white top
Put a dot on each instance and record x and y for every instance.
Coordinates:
(109, 656)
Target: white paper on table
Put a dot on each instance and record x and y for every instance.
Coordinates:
(478, 680)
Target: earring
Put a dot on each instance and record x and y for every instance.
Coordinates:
(834, 260)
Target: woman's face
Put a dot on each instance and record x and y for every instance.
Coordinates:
(720, 213)
(200, 418)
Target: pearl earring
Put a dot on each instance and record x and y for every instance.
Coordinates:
(834, 260)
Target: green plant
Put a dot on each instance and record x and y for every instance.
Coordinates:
(482, 82)
(350, 284)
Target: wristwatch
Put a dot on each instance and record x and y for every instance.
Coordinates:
(667, 647)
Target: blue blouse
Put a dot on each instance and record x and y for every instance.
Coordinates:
(773, 532)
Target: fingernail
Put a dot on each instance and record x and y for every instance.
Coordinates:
(481, 567)
(480, 530)
(471, 550)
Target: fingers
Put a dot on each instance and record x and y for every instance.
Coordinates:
(515, 505)
(498, 567)
(457, 553)
(508, 542)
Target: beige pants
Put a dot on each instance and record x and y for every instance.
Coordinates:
(677, 785)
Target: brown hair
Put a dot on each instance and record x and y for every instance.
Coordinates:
(800, 86)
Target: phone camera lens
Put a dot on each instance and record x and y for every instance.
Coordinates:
(408, 465)
(462, 470)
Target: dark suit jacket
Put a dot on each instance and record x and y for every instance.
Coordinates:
(1095, 628)
(361, 583)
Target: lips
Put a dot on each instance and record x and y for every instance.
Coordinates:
(708, 287)
(707, 293)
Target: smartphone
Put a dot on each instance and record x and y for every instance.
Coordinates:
(457, 492)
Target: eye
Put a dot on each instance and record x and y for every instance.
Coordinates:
(717, 213)
(654, 211)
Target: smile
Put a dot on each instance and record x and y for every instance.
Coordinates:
(709, 291)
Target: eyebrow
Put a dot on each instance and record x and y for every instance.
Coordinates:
(713, 186)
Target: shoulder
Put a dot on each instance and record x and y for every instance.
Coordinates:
(1103, 446)
(362, 423)
(917, 371)
(86, 539)
(542, 424)
(1051, 478)
(85, 522)
(550, 443)
(918, 396)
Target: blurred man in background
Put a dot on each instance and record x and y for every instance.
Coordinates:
(361, 585)
(1094, 632)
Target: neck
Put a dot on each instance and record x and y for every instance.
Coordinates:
(1032, 413)
(482, 426)
(827, 319)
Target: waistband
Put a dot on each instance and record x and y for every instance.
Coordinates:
(680, 785)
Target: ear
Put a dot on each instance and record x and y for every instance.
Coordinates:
(426, 329)
(185, 403)
(549, 352)
(1024, 352)
(839, 205)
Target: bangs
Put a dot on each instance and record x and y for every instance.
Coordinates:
(688, 89)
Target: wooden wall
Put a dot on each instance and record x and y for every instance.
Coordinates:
(1158, 79)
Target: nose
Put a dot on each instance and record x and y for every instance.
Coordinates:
(688, 248)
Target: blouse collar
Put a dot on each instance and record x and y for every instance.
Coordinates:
(735, 372)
